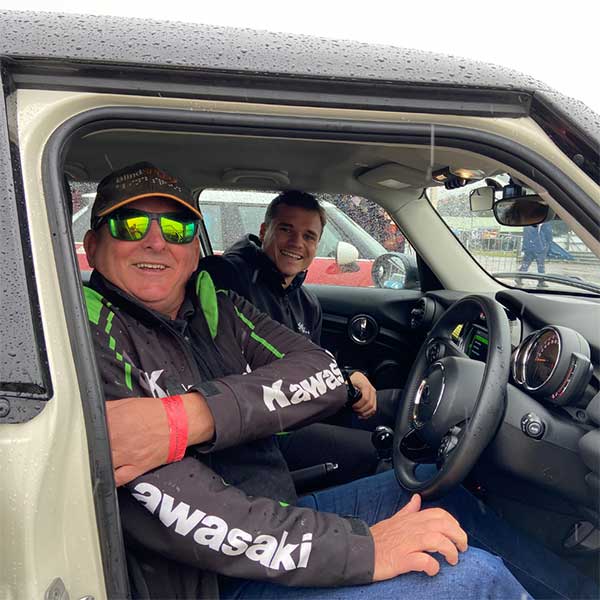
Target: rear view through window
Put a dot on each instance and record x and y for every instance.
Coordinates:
(351, 220)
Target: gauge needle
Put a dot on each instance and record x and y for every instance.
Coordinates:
(540, 360)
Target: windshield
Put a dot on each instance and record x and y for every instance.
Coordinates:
(549, 255)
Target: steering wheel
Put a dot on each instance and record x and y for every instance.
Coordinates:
(453, 405)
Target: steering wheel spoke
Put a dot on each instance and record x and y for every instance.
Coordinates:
(417, 448)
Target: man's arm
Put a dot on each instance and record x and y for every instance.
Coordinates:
(131, 421)
(228, 411)
(291, 381)
(187, 513)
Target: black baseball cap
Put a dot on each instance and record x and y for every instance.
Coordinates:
(142, 180)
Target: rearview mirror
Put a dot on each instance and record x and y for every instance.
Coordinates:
(482, 198)
(521, 211)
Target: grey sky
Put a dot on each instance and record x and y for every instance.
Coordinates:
(556, 42)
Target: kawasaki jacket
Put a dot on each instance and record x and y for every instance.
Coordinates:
(247, 270)
(227, 506)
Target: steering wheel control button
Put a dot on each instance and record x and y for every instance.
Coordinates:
(449, 442)
(435, 352)
(532, 426)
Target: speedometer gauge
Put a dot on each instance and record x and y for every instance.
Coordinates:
(542, 358)
(554, 364)
(518, 360)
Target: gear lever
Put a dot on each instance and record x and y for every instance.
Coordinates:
(383, 440)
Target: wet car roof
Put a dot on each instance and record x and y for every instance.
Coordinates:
(171, 44)
(144, 41)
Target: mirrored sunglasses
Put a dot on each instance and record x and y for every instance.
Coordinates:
(131, 225)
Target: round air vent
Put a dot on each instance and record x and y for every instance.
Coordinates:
(423, 313)
(362, 329)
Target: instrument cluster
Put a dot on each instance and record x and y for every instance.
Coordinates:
(552, 363)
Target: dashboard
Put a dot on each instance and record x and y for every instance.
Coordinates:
(550, 437)
(555, 341)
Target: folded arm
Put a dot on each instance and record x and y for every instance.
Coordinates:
(288, 381)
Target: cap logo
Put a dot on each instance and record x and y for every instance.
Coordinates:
(147, 175)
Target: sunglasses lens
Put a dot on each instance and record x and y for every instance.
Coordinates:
(177, 231)
(129, 228)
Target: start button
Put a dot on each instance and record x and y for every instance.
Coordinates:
(533, 426)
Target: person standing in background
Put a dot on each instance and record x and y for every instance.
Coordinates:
(536, 244)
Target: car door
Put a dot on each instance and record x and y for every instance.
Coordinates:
(58, 511)
(370, 329)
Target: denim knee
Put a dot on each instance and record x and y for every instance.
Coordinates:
(485, 575)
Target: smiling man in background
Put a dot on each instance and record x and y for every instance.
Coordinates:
(269, 270)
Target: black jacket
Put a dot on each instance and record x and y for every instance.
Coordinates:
(247, 270)
(223, 508)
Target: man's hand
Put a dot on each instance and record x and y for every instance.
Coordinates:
(367, 405)
(403, 542)
(139, 432)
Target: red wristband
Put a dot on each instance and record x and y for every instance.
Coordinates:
(178, 427)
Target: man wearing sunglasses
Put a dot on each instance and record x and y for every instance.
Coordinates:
(198, 382)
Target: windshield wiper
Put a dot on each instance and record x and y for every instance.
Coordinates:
(560, 279)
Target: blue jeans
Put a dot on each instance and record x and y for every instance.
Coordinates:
(540, 259)
(478, 575)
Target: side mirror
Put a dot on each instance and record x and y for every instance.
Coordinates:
(482, 198)
(521, 211)
(394, 270)
(345, 254)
